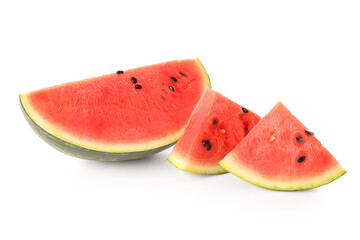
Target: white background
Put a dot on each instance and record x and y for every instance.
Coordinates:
(303, 53)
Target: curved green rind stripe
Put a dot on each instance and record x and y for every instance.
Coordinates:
(77, 151)
(183, 164)
(208, 83)
(241, 172)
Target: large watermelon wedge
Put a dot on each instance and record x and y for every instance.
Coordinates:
(215, 127)
(123, 115)
(281, 154)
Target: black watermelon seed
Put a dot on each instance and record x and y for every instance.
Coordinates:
(245, 129)
(301, 159)
(120, 72)
(133, 79)
(174, 79)
(309, 133)
(138, 86)
(299, 139)
(205, 143)
(245, 110)
(182, 74)
(171, 88)
(214, 122)
(208, 147)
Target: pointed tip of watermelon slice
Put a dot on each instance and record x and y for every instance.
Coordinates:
(231, 164)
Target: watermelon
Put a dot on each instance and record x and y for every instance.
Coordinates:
(215, 127)
(280, 153)
(119, 116)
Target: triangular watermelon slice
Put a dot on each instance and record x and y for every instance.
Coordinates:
(215, 127)
(280, 153)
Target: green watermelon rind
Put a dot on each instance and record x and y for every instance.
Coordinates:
(73, 148)
(206, 75)
(232, 165)
(85, 153)
(183, 164)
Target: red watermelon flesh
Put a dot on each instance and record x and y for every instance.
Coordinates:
(136, 110)
(281, 153)
(215, 127)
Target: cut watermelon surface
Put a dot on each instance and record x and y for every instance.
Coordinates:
(215, 127)
(123, 115)
(281, 153)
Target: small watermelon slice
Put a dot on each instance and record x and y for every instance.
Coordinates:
(215, 127)
(281, 154)
(123, 115)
